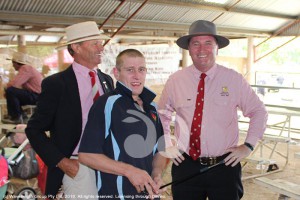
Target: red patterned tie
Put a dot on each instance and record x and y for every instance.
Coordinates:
(95, 89)
(195, 149)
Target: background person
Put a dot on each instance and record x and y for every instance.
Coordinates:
(122, 134)
(209, 134)
(63, 108)
(24, 89)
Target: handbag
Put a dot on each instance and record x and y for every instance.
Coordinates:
(28, 166)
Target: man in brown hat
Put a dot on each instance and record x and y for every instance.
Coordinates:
(63, 109)
(206, 97)
(24, 89)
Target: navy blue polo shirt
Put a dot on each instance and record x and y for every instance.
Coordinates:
(120, 129)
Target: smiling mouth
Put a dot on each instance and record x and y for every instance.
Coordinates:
(202, 56)
(135, 84)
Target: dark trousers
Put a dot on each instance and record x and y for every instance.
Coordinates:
(219, 183)
(15, 98)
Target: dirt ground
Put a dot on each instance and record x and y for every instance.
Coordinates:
(252, 191)
(290, 173)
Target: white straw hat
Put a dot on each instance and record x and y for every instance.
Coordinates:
(22, 58)
(82, 32)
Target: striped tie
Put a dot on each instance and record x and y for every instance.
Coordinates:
(95, 90)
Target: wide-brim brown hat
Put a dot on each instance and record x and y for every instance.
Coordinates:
(202, 27)
(83, 31)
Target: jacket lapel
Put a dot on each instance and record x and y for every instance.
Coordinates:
(73, 91)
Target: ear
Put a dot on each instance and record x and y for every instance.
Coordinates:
(116, 73)
(75, 47)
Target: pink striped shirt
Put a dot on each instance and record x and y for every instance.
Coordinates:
(226, 91)
(28, 78)
(85, 93)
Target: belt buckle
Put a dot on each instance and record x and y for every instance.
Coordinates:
(212, 160)
(208, 160)
(203, 161)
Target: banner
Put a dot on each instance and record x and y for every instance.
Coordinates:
(162, 60)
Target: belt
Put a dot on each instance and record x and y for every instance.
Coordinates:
(207, 161)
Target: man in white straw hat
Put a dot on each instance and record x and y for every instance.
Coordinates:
(206, 97)
(63, 109)
(24, 89)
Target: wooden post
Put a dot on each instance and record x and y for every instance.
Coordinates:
(250, 58)
(60, 59)
(22, 44)
(186, 60)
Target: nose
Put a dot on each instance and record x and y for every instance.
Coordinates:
(136, 74)
(101, 47)
(201, 47)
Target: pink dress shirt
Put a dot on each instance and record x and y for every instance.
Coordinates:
(226, 91)
(28, 78)
(85, 93)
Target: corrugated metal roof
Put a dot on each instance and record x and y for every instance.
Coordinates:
(171, 18)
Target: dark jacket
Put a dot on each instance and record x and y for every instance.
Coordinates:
(59, 112)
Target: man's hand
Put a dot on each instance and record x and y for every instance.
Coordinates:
(174, 154)
(237, 154)
(142, 181)
(159, 182)
(69, 166)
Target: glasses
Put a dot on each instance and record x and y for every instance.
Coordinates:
(132, 70)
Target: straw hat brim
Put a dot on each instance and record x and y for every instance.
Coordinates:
(95, 37)
(18, 61)
(183, 41)
(22, 62)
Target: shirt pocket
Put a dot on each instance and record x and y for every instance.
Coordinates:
(184, 114)
(223, 111)
(185, 104)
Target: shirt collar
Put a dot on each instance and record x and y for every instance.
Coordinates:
(84, 71)
(210, 73)
(147, 95)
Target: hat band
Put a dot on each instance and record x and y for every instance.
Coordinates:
(203, 33)
(83, 37)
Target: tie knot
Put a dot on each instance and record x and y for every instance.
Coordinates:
(203, 75)
(92, 73)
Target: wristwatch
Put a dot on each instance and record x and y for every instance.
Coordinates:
(249, 146)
